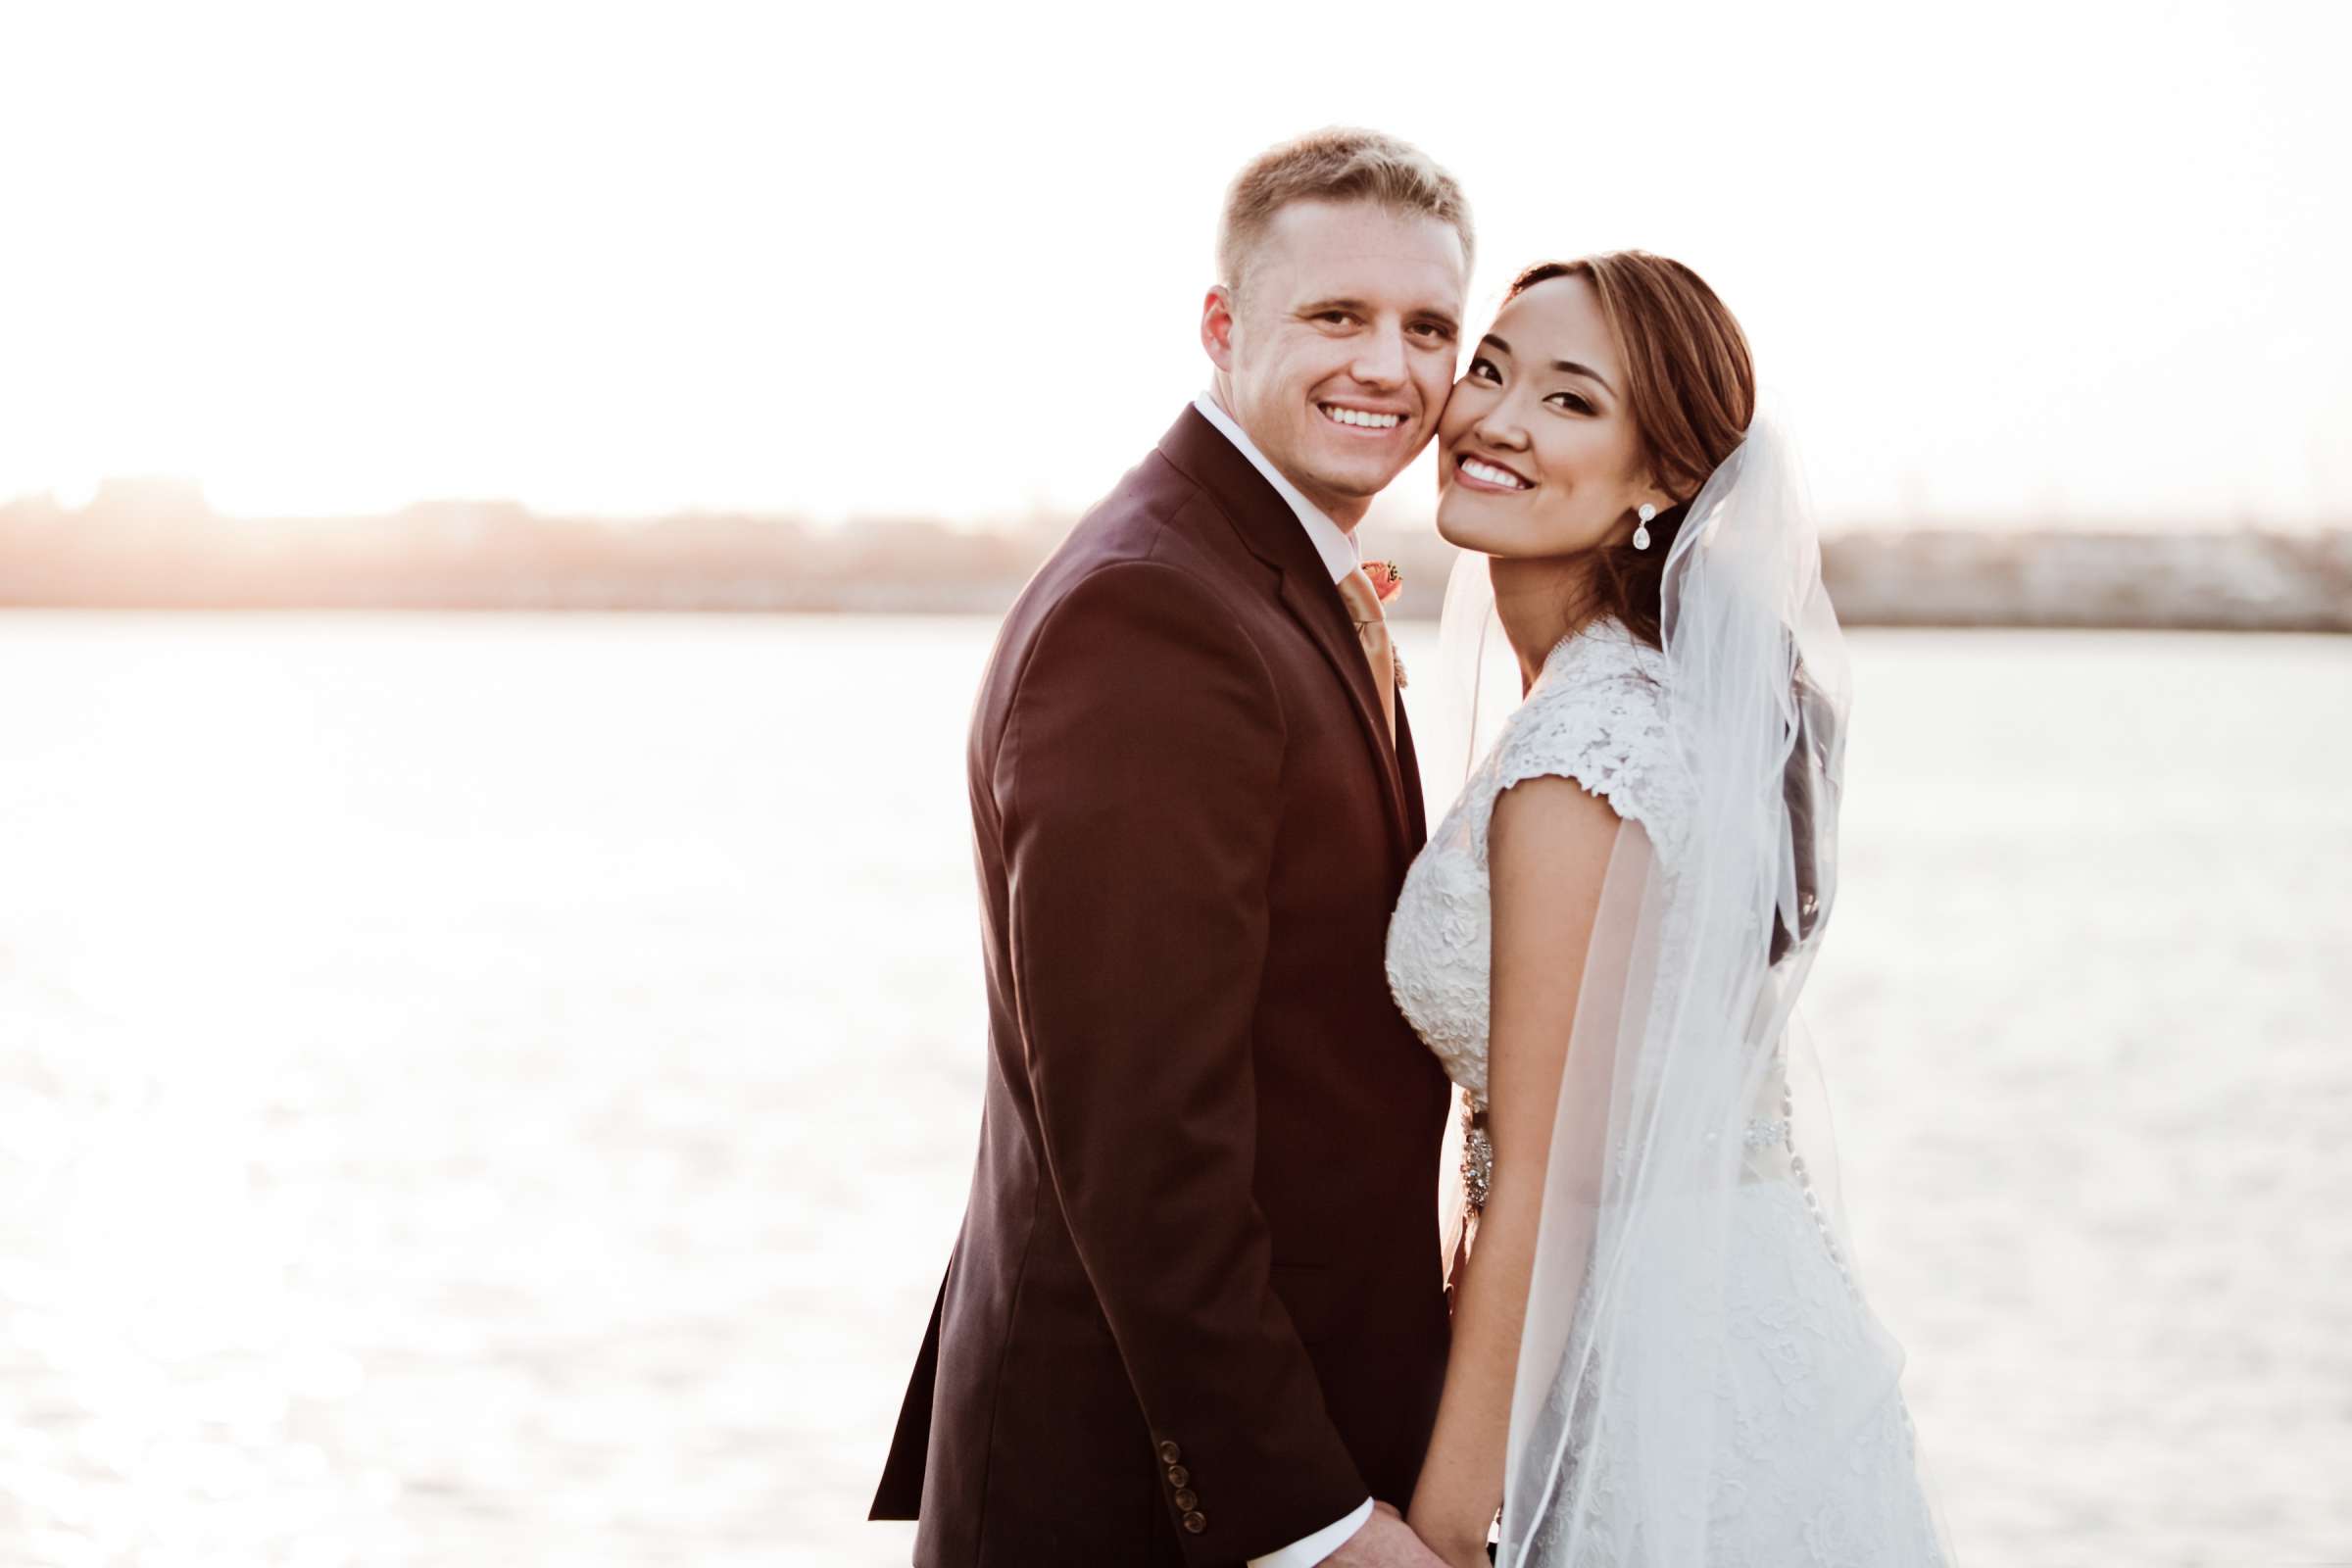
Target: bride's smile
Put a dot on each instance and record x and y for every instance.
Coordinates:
(1482, 474)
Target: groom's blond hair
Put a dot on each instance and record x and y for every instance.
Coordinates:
(1337, 164)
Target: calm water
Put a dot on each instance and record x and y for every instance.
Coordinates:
(501, 1090)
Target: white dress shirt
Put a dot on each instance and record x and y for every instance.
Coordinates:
(1338, 548)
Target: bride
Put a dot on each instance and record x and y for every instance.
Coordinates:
(1661, 1355)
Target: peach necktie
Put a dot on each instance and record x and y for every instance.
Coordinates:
(1372, 630)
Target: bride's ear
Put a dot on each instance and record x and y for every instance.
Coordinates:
(1657, 493)
(1216, 325)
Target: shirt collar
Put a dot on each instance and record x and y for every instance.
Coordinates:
(1334, 543)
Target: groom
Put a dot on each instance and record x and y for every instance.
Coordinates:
(1195, 1314)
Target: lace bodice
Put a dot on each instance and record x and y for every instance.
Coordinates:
(1596, 714)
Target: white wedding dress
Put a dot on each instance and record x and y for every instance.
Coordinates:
(1807, 1458)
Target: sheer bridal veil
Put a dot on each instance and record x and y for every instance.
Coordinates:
(1679, 1085)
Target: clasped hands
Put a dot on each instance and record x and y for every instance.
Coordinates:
(1387, 1542)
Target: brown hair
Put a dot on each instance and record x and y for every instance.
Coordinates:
(1690, 387)
(1334, 166)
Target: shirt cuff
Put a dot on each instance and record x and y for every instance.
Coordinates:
(1319, 1545)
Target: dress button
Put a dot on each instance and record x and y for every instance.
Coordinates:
(1188, 1499)
(1170, 1453)
(1196, 1522)
(1179, 1476)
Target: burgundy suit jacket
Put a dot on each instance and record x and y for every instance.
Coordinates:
(1195, 1312)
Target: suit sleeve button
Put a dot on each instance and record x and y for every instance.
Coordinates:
(1170, 1453)
(1196, 1521)
(1179, 1476)
(1188, 1499)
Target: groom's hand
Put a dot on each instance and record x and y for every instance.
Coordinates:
(1385, 1542)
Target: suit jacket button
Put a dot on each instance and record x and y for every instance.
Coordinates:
(1196, 1522)
(1188, 1499)
(1170, 1453)
(1179, 1476)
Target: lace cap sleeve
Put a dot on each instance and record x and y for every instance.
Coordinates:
(1598, 715)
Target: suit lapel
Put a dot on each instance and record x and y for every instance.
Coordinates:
(1272, 531)
(1409, 773)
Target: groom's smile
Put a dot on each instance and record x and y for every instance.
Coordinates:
(1369, 420)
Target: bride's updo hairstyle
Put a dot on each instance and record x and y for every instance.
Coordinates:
(1690, 387)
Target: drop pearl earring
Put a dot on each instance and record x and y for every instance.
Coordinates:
(1642, 534)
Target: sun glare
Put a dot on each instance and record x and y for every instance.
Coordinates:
(741, 257)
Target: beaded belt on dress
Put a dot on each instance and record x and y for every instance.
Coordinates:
(1478, 1154)
(1761, 1132)
(1478, 1149)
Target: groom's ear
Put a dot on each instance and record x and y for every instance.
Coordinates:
(1216, 325)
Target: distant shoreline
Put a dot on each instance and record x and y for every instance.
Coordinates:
(2178, 619)
(157, 544)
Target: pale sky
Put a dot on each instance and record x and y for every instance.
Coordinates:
(2004, 262)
